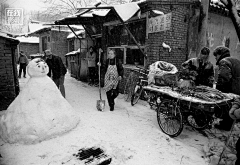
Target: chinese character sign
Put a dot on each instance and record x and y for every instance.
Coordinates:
(160, 23)
(14, 16)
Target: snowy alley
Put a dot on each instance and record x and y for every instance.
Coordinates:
(129, 135)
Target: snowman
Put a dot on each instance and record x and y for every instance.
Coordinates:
(39, 112)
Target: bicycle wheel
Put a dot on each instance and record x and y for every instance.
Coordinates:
(128, 87)
(136, 94)
(198, 119)
(170, 118)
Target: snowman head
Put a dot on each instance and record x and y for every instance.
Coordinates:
(37, 68)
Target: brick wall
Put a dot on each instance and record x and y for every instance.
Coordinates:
(9, 85)
(29, 48)
(176, 37)
(59, 45)
(57, 42)
(41, 35)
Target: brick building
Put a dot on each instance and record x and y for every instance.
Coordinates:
(9, 85)
(77, 49)
(54, 38)
(29, 45)
(177, 27)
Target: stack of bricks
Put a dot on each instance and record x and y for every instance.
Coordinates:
(9, 85)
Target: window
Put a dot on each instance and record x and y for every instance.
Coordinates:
(129, 55)
(71, 45)
(134, 56)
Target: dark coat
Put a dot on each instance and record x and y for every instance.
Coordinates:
(56, 67)
(228, 75)
(205, 71)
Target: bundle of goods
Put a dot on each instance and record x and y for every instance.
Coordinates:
(187, 78)
(205, 93)
(162, 73)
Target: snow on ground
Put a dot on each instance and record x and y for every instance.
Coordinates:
(129, 134)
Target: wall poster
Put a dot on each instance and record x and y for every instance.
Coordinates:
(159, 23)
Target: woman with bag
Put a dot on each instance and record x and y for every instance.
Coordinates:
(113, 74)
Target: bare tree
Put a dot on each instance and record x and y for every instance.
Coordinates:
(62, 8)
(232, 6)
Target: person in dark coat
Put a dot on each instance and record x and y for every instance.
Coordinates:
(113, 74)
(228, 80)
(23, 62)
(234, 113)
(57, 70)
(91, 59)
(202, 66)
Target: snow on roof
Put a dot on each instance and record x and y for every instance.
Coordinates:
(28, 39)
(33, 27)
(73, 52)
(80, 27)
(5, 35)
(72, 35)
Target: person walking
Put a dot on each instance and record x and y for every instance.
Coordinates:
(57, 70)
(23, 62)
(113, 74)
(202, 66)
(228, 80)
(91, 59)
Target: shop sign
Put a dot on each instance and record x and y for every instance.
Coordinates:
(14, 16)
(159, 23)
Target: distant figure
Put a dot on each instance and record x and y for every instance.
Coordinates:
(91, 58)
(23, 62)
(57, 70)
(202, 66)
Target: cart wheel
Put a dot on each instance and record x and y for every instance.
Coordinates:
(198, 119)
(136, 94)
(129, 87)
(169, 118)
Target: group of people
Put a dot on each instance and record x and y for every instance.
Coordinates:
(112, 68)
(227, 81)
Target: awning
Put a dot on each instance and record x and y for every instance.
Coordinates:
(100, 14)
(87, 16)
(72, 35)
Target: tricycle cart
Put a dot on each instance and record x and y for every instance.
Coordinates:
(176, 108)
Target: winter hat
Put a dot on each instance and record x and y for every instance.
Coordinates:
(205, 51)
(220, 50)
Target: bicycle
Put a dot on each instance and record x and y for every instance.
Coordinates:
(129, 86)
(139, 87)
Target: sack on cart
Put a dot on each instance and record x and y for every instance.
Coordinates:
(162, 73)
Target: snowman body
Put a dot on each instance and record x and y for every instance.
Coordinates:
(39, 112)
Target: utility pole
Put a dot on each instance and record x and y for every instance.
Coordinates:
(203, 21)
